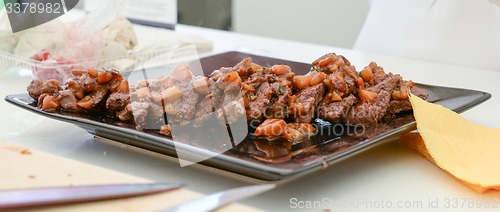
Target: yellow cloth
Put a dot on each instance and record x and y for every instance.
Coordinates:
(466, 150)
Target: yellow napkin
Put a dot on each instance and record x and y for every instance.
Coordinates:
(468, 151)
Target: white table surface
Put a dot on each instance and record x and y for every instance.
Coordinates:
(390, 174)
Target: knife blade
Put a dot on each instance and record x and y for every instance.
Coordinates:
(56, 195)
(219, 199)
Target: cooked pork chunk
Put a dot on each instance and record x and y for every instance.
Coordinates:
(185, 108)
(206, 107)
(280, 105)
(330, 63)
(396, 105)
(94, 98)
(37, 87)
(139, 112)
(258, 107)
(337, 111)
(117, 101)
(367, 112)
(306, 102)
(67, 100)
(231, 108)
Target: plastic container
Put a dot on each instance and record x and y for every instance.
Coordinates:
(16, 73)
(14, 67)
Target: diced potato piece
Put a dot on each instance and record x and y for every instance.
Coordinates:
(143, 92)
(280, 69)
(92, 73)
(317, 77)
(123, 87)
(50, 103)
(181, 72)
(104, 77)
(201, 86)
(248, 87)
(231, 77)
(366, 95)
(86, 103)
(401, 94)
(301, 82)
(171, 94)
(367, 75)
(335, 96)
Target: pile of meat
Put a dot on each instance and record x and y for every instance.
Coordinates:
(334, 91)
(274, 98)
(86, 91)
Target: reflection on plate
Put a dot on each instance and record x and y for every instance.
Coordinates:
(334, 142)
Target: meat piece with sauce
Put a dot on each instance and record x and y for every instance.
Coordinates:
(377, 72)
(210, 98)
(280, 104)
(135, 111)
(337, 77)
(37, 87)
(372, 111)
(245, 67)
(125, 114)
(139, 111)
(68, 100)
(342, 85)
(205, 108)
(182, 97)
(94, 98)
(336, 111)
(258, 107)
(117, 101)
(330, 63)
(224, 99)
(231, 108)
(267, 92)
(399, 105)
(306, 101)
(145, 108)
(282, 92)
(185, 108)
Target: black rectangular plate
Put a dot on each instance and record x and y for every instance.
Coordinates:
(242, 163)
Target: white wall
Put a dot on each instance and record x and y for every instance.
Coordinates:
(328, 22)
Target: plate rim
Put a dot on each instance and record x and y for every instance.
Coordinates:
(264, 173)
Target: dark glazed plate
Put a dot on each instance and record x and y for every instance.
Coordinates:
(328, 147)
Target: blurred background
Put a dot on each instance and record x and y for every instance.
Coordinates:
(425, 30)
(328, 22)
(299, 20)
